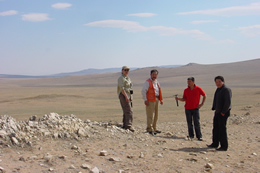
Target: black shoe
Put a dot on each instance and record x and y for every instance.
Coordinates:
(157, 131)
(200, 139)
(152, 133)
(221, 149)
(211, 146)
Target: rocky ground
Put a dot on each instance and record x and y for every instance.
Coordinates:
(55, 143)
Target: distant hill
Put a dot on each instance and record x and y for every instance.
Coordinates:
(236, 74)
(78, 73)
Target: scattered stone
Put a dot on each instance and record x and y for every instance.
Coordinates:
(169, 134)
(141, 155)
(72, 167)
(14, 141)
(130, 156)
(33, 118)
(48, 157)
(94, 170)
(193, 154)
(160, 155)
(85, 166)
(74, 147)
(116, 159)
(22, 159)
(51, 169)
(254, 154)
(103, 153)
(209, 165)
(63, 157)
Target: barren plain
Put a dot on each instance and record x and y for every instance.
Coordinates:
(93, 98)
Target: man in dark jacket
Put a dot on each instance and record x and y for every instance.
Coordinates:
(222, 107)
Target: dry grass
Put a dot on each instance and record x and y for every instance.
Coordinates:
(102, 104)
(94, 96)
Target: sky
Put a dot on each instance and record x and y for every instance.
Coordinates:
(42, 37)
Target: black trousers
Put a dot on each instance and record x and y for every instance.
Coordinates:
(193, 116)
(220, 130)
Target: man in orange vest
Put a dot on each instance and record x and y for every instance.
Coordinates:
(152, 95)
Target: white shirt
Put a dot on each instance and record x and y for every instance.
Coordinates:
(146, 87)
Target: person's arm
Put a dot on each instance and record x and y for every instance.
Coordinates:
(144, 91)
(227, 101)
(126, 97)
(122, 88)
(181, 99)
(203, 100)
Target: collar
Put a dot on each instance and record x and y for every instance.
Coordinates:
(153, 81)
(193, 87)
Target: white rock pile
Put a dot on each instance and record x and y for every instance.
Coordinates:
(52, 125)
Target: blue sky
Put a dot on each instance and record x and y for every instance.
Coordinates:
(49, 36)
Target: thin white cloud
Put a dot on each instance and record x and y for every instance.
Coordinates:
(251, 9)
(228, 41)
(250, 31)
(35, 17)
(61, 5)
(203, 21)
(131, 26)
(8, 13)
(142, 14)
(126, 25)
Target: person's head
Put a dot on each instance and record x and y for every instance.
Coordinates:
(191, 81)
(219, 80)
(154, 74)
(125, 70)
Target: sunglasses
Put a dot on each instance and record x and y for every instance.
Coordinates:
(126, 69)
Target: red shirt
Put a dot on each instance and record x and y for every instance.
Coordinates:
(192, 97)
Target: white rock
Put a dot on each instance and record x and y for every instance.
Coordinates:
(85, 166)
(160, 155)
(94, 170)
(82, 132)
(141, 155)
(48, 157)
(103, 153)
(15, 141)
(116, 159)
(72, 167)
(2, 169)
(209, 165)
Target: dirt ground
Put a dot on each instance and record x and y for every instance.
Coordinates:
(169, 151)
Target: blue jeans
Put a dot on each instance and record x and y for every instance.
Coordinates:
(193, 114)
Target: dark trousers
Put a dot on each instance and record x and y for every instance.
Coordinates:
(193, 115)
(220, 130)
(127, 111)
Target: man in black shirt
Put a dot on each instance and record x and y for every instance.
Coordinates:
(222, 107)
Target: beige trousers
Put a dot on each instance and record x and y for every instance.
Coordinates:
(152, 115)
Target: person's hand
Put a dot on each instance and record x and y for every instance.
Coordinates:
(161, 102)
(199, 106)
(146, 103)
(126, 99)
(222, 114)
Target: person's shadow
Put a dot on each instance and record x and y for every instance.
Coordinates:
(193, 150)
(170, 137)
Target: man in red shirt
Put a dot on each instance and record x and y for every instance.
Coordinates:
(191, 96)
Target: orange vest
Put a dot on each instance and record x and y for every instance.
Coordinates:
(150, 95)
